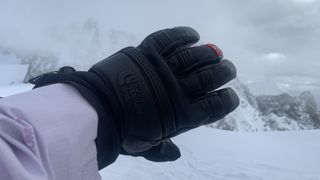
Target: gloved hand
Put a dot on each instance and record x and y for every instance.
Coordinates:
(147, 94)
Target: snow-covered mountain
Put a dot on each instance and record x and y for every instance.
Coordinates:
(255, 113)
(217, 154)
(271, 112)
(77, 45)
(86, 44)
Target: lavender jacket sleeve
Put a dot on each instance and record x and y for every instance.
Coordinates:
(48, 134)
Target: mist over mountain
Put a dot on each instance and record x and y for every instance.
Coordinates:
(79, 46)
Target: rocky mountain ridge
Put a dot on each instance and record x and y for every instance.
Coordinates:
(271, 112)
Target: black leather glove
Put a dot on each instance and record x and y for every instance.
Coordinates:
(147, 94)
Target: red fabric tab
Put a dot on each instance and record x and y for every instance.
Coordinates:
(216, 50)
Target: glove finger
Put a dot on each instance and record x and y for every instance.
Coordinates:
(213, 107)
(164, 151)
(208, 78)
(168, 40)
(191, 58)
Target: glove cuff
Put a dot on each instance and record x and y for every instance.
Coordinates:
(93, 89)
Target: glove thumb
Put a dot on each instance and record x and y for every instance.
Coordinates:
(165, 151)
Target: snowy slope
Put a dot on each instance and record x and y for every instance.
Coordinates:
(9, 90)
(255, 113)
(12, 73)
(209, 154)
(212, 154)
(11, 78)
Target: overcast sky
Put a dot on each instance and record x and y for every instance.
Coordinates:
(267, 39)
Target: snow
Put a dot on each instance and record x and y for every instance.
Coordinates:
(9, 90)
(209, 154)
(212, 154)
(12, 73)
(11, 78)
(271, 112)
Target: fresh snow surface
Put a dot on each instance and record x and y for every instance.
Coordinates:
(11, 78)
(210, 154)
(9, 90)
(12, 73)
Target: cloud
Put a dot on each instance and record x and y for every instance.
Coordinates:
(304, 1)
(274, 57)
(252, 33)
